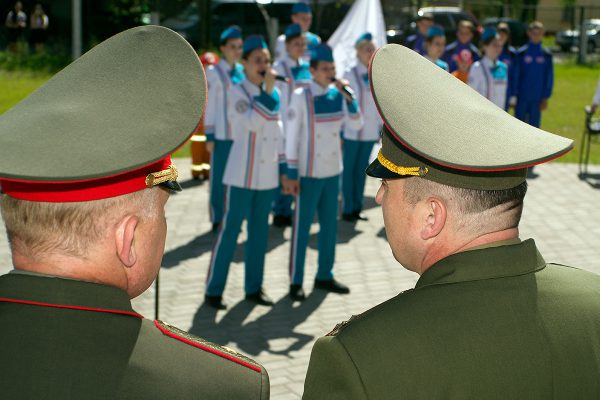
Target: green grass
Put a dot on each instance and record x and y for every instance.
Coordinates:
(573, 89)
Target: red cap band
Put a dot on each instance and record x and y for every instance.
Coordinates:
(87, 190)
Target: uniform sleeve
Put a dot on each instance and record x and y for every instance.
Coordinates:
(332, 374)
(352, 115)
(265, 386)
(549, 81)
(245, 115)
(476, 79)
(284, 93)
(215, 90)
(596, 99)
(295, 129)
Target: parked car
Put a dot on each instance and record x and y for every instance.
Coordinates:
(518, 29)
(448, 18)
(568, 39)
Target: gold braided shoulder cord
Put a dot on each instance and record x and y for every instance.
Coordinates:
(155, 178)
(413, 171)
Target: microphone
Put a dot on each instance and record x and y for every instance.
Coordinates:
(277, 77)
(345, 88)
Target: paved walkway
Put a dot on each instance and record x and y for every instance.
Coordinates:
(561, 212)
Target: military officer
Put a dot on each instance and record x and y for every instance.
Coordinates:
(85, 173)
(251, 174)
(297, 72)
(536, 77)
(221, 77)
(489, 318)
(358, 144)
(417, 41)
(301, 15)
(314, 119)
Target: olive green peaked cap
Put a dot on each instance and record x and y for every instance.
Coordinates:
(440, 129)
(126, 103)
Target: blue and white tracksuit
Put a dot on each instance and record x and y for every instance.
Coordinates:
(312, 41)
(536, 78)
(490, 79)
(298, 74)
(220, 78)
(417, 43)
(358, 143)
(314, 120)
(452, 51)
(252, 178)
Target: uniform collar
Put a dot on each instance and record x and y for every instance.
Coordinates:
(361, 68)
(44, 289)
(224, 65)
(291, 62)
(250, 87)
(484, 263)
(317, 89)
(488, 63)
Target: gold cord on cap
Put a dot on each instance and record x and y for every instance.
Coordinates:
(413, 171)
(155, 178)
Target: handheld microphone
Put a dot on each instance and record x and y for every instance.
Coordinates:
(277, 77)
(345, 88)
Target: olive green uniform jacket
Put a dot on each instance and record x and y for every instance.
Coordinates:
(494, 323)
(67, 339)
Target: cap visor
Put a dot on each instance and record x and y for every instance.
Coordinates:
(376, 170)
(171, 185)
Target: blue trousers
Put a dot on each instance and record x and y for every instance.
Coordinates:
(254, 206)
(356, 160)
(283, 204)
(318, 195)
(218, 160)
(529, 112)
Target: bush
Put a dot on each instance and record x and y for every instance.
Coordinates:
(47, 61)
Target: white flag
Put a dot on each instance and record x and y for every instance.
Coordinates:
(363, 16)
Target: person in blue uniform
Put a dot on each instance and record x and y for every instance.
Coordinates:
(489, 76)
(536, 77)
(508, 57)
(464, 36)
(434, 45)
(301, 15)
(251, 174)
(297, 71)
(358, 143)
(417, 40)
(314, 162)
(219, 136)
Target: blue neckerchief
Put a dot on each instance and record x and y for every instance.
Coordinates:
(236, 74)
(365, 77)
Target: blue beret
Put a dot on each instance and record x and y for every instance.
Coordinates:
(301, 8)
(293, 30)
(322, 52)
(435, 30)
(365, 36)
(233, 32)
(488, 34)
(253, 42)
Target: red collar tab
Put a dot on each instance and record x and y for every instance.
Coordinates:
(68, 307)
(92, 189)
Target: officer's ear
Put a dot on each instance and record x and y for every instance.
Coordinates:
(124, 239)
(435, 219)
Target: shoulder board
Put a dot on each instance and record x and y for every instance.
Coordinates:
(340, 327)
(451, 46)
(207, 346)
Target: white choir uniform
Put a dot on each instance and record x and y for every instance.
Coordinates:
(314, 120)
(220, 79)
(490, 80)
(298, 74)
(252, 178)
(358, 143)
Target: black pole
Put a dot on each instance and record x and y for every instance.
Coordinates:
(581, 54)
(156, 295)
